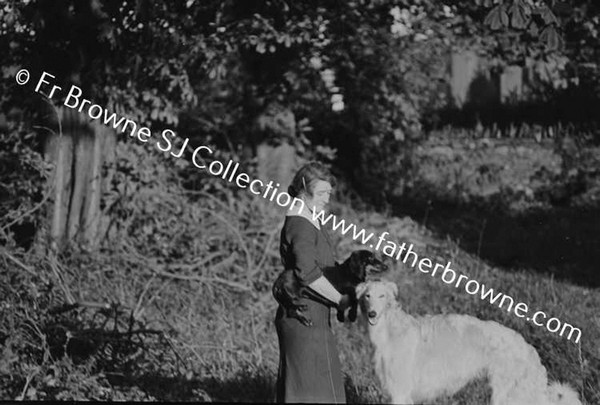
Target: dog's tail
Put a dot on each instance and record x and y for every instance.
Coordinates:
(517, 375)
(562, 394)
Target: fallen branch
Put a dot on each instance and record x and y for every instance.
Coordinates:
(263, 259)
(17, 262)
(95, 305)
(196, 264)
(153, 263)
(97, 332)
(215, 279)
(236, 232)
(61, 282)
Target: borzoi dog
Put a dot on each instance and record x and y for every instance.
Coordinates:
(420, 358)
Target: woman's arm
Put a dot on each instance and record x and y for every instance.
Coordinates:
(302, 237)
(326, 289)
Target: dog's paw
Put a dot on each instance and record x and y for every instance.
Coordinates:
(305, 321)
(301, 317)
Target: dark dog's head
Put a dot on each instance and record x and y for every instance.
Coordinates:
(363, 262)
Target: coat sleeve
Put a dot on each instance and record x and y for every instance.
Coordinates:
(302, 237)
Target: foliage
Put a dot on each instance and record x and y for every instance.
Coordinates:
(51, 352)
(103, 47)
(23, 173)
(357, 75)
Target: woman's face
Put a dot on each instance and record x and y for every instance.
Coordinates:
(321, 193)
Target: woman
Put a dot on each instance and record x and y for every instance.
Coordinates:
(309, 365)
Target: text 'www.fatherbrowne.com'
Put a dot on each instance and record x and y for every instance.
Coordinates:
(449, 276)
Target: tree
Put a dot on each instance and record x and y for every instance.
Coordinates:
(127, 56)
(341, 68)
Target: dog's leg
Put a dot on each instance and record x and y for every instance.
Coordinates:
(353, 308)
(398, 383)
(340, 315)
(303, 319)
(401, 397)
(297, 314)
(296, 309)
(352, 313)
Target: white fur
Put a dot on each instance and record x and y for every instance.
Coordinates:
(420, 358)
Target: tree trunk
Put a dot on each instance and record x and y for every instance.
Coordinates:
(77, 147)
(91, 211)
(59, 150)
(83, 144)
(109, 154)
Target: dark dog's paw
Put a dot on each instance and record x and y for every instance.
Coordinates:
(296, 313)
(304, 320)
(353, 313)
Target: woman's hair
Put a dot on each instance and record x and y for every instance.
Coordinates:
(305, 178)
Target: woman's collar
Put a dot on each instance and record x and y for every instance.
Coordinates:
(304, 213)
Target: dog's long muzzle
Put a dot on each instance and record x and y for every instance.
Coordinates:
(377, 267)
(372, 317)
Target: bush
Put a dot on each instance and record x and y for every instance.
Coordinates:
(23, 174)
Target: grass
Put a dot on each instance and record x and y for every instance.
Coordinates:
(219, 341)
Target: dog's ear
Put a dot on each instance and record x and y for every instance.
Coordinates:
(392, 287)
(357, 258)
(360, 289)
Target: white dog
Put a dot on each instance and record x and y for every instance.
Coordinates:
(420, 358)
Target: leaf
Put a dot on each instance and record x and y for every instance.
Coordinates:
(548, 16)
(533, 30)
(544, 34)
(553, 41)
(518, 20)
(503, 16)
(494, 19)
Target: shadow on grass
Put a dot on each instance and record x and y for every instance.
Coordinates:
(242, 387)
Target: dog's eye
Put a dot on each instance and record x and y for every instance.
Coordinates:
(382, 296)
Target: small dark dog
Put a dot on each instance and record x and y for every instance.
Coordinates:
(288, 290)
